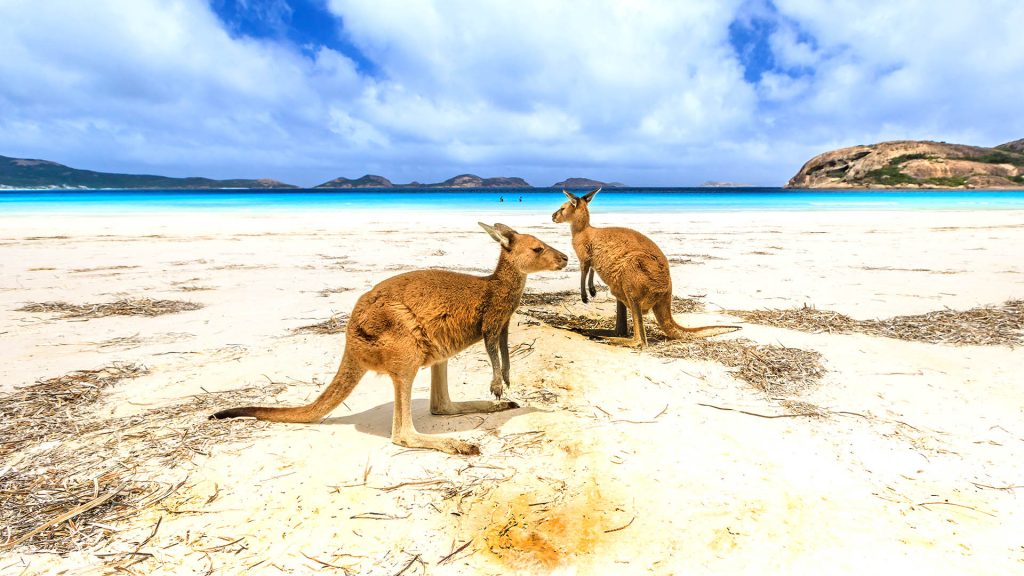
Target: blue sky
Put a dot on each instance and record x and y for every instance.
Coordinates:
(649, 92)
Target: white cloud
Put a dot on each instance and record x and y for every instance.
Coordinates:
(648, 92)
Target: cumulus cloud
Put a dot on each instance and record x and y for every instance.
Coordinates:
(648, 92)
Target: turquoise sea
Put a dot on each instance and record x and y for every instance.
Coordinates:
(510, 199)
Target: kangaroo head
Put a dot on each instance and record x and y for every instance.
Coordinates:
(526, 252)
(575, 207)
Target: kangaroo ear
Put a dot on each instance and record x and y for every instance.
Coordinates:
(572, 199)
(506, 230)
(496, 234)
(590, 195)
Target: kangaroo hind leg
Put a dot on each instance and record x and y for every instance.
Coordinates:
(621, 326)
(639, 332)
(404, 433)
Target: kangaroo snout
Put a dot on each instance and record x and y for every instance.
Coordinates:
(563, 260)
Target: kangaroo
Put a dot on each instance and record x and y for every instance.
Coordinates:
(633, 267)
(423, 318)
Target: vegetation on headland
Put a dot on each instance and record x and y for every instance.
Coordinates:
(30, 173)
(915, 164)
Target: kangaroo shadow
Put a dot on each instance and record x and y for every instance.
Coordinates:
(377, 420)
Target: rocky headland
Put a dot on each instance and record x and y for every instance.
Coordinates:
(915, 164)
(28, 173)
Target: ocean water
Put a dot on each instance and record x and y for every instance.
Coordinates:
(506, 199)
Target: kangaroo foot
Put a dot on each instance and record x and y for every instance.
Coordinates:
(449, 445)
(474, 407)
(627, 342)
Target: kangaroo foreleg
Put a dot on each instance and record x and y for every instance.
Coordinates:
(585, 268)
(441, 404)
(503, 348)
(492, 341)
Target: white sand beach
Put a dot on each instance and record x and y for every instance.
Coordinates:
(906, 456)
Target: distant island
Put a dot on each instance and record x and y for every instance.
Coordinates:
(33, 174)
(464, 181)
(915, 164)
(460, 181)
(586, 183)
(721, 184)
(44, 174)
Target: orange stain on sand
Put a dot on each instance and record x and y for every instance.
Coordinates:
(545, 537)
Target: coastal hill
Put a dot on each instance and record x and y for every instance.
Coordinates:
(915, 164)
(460, 181)
(586, 183)
(30, 173)
(1015, 146)
(474, 181)
(367, 181)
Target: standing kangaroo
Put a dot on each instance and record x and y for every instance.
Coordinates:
(423, 318)
(633, 267)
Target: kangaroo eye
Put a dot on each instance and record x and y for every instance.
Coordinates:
(538, 249)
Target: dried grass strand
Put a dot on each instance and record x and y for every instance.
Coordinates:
(123, 307)
(60, 457)
(981, 326)
(336, 324)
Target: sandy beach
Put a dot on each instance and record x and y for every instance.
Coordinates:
(893, 455)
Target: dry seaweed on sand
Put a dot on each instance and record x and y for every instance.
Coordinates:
(35, 412)
(334, 325)
(985, 325)
(568, 297)
(775, 370)
(67, 471)
(339, 290)
(586, 325)
(103, 268)
(772, 369)
(195, 288)
(123, 307)
(687, 305)
(805, 319)
(561, 298)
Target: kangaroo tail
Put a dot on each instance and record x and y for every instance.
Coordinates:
(663, 313)
(349, 374)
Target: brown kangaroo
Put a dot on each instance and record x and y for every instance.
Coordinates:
(633, 267)
(420, 319)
